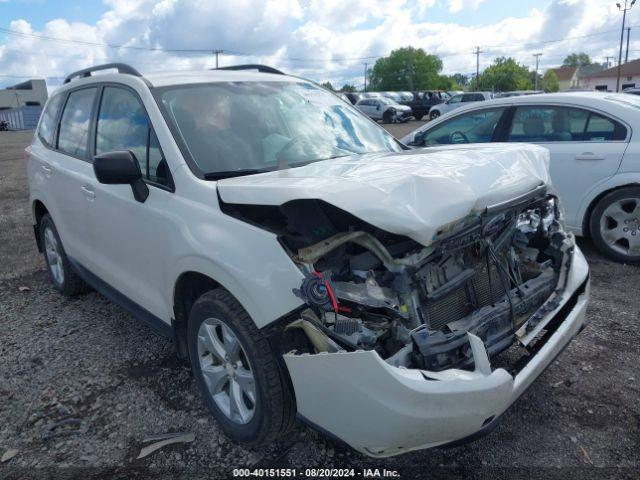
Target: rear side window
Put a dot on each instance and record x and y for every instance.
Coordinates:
(123, 125)
(48, 123)
(602, 129)
(74, 124)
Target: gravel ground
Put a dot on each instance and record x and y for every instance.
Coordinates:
(85, 358)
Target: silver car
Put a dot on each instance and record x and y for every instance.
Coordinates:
(458, 101)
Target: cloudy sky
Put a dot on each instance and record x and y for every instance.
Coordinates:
(320, 39)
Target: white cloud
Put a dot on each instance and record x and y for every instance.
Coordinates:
(331, 36)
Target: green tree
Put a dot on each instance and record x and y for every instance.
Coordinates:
(504, 75)
(328, 86)
(348, 88)
(461, 79)
(577, 60)
(549, 82)
(407, 68)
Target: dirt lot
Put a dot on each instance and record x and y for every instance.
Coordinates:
(87, 359)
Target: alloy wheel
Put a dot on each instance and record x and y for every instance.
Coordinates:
(54, 257)
(620, 226)
(226, 371)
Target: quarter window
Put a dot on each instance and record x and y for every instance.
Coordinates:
(123, 125)
(49, 117)
(74, 124)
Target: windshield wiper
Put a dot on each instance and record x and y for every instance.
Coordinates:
(234, 173)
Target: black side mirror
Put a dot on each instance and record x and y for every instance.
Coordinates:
(121, 167)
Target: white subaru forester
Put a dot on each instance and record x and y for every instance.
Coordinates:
(303, 260)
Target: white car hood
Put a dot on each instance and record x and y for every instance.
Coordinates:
(417, 193)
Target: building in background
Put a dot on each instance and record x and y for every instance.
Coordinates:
(606, 80)
(567, 77)
(21, 104)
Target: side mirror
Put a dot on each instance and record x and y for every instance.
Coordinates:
(418, 140)
(121, 167)
(378, 107)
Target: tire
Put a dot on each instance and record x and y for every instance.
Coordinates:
(434, 114)
(387, 117)
(418, 116)
(214, 321)
(615, 225)
(65, 280)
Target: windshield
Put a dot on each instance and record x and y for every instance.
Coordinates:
(246, 127)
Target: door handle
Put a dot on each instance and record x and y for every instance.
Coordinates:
(47, 169)
(88, 192)
(589, 156)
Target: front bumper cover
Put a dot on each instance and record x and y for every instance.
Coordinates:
(381, 410)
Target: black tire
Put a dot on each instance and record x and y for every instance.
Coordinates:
(434, 114)
(418, 116)
(387, 117)
(71, 284)
(274, 412)
(596, 218)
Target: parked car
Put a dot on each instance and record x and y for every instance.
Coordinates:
(423, 101)
(352, 96)
(301, 258)
(384, 109)
(458, 101)
(4, 126)
(632, 90)
(595, 158)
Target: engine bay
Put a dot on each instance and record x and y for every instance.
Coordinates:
(493, 275)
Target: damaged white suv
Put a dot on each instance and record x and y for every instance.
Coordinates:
(303, 260)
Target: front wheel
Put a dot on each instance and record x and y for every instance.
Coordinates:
(62, 275)
(615, 225)
(237, 372)
(434, 114)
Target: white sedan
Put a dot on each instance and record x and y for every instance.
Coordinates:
(385, 109)
(595, 158)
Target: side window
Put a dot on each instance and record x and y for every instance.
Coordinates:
(48, 122)
(456, 99)
(74, 124)
(601, 129)
(471, 127)
(123, 125)
(548, 124)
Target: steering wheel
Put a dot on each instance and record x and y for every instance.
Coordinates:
(458, 133)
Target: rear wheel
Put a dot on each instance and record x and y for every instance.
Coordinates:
(64, 279)
(237, 372)
(418, 116)
(434, 114)
(388, 116)
(615, 225)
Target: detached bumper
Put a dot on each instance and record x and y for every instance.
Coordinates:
(381, 410)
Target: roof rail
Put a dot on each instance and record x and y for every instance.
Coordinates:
(252, 66)
(86, 72)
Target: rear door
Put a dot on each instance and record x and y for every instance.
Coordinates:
(586, 147)
(129, 236)
(67, 172)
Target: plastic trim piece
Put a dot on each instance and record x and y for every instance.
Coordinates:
(86, 72)
(253, 66)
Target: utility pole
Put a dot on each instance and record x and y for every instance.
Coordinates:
(607, 60)
(216, 53)
(365, 77)
(626, 56)
(477, 54)
(537, 55)
(624, 19)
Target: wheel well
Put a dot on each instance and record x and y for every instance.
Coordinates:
(587, 215)
(189, 287)
(39, 211)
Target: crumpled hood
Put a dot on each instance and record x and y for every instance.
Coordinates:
(416, 193)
